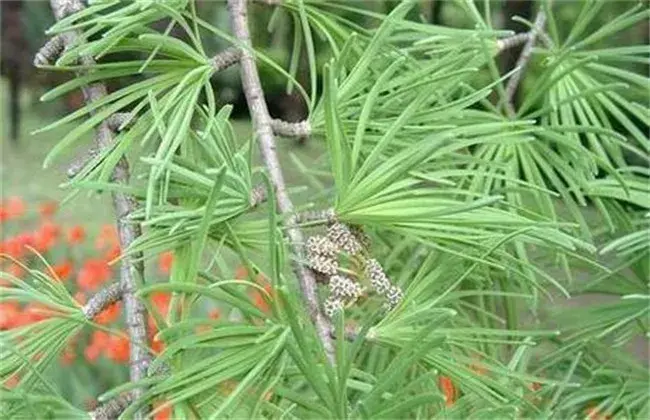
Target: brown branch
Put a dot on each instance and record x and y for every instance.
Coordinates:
(522, 62)
(226, 58)
(291, 129)
(49, 52)
(123, 205)
(102, 300)
(264, 132)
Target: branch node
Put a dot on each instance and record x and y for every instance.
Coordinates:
(49, 52)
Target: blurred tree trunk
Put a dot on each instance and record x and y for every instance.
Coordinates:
(512, 8)
(12, 58)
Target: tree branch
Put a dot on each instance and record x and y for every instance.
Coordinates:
(522, 62)
(512, 41)
(101, 300)
(123, 205)
(112, 409)
(319, 216)
(291, 129)
(226, 58)
(264, 132)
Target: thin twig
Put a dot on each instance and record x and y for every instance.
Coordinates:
(226, 58)
(264, 133)
(123, 205)
(102, 300)
(291, 129)
(512, 41)
(522, 62)
(49, 52)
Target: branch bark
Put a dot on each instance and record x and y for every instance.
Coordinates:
(291, 129)
(264, 132)
(102, 300)
(522, 62)
(123, 205)
(512, 41)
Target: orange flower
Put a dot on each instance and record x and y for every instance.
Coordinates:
(9, 314)
(92, 353)
(113, 253)
(117, 349)
(165, 261)
(99, 339)
(157, 345)
(14, 208)
(98, 342)
(76, 234)
(93, 273)
(48, 209)
(109, 314)
(164, 412)
(63, 270)
(33, 313)
(45, 238)
(448, 389)
(161, 301)
(15, 246)
(214, 313)
(107, 237)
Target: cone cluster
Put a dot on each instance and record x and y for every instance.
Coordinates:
(322, 256)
